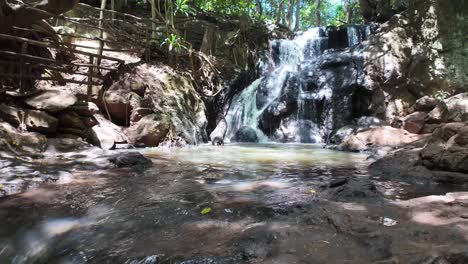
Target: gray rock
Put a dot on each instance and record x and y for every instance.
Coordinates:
(425, 104)
(52, 101)
(458, 106)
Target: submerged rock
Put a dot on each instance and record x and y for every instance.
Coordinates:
(131, 159)
(246, 135)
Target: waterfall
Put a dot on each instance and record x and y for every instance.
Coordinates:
(290, 102)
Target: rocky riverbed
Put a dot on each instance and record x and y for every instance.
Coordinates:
(236, 204)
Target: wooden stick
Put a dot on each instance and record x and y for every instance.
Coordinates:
(16, 76)
(52, 61)
(48, 45)
(90, 79)
(44, 66)
(101, 35)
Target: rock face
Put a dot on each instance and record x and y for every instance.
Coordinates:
(52, 101)
(153, 101)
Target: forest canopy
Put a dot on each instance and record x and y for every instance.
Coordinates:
(296, 14)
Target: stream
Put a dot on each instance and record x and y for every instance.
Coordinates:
(271, 203)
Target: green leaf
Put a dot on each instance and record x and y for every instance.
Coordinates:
(1, 187)
(206, 211)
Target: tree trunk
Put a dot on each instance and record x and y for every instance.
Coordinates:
(279, 11)
(290, 13)
(348, 5)
(153, 17)
(101, 33)
(258, 4)
(318, 12)
(298, 15)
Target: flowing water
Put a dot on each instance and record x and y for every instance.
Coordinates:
(294, 98)
(232, 204)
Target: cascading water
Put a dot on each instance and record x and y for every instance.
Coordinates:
(292, 101)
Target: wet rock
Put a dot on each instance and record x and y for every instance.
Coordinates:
(458, 106)
(438, 115)
(52, 101)
(131, 159)
(425, 104)
(34, 120)
(149, 131)
(246, 135)
(342, 134)
(354, 189)
(338, 183)
(449, 177)
(217, 136)
(11, 138)
(67, 144)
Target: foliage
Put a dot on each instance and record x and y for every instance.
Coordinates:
(183, 7)
(174, 43)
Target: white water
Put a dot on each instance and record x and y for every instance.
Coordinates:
(267, 95)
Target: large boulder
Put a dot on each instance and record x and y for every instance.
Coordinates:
(52, 101)
(414, 122)
(106, 134)
(448, 149)
(425, 104)
(377, 138)
(458, 107)
(149, 131)
(33, 120)
(131, 160)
